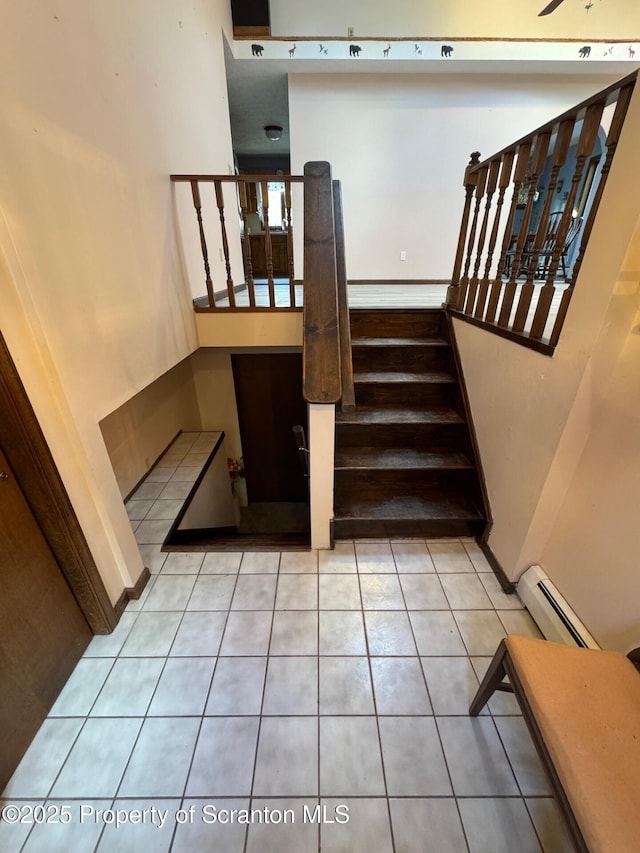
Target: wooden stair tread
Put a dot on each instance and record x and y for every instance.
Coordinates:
(398, 376)
(399, 458)
(374, 415)
(399, 342)
(411, 507)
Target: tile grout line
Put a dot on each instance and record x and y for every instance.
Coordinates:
(434, 717)
(375, 704)
(264, 690)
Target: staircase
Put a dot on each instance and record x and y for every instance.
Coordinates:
(404, 462)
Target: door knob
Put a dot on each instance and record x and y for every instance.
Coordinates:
(3, 476)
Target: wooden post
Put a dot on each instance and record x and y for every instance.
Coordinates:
(195, 192)
(464, 281)
(624, 96)
(242, 191)
(492, 181)
(268, 251)
(506, 165)
(225, 243)
(469, 183)
(586, 142)
(522, 163)
(287, 202)
(545, 297)
(539, 162)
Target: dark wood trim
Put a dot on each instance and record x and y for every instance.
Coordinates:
(507, 586)
(449, 38)
(240, 33)
(398, 281)
(223, 294)
(132, 593)
(42, 485)
(169, 539)
(204, 309)
(471, 426)
(515, 337)
(196, 535)
(146, 474)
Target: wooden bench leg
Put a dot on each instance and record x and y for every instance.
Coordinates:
(491, 682)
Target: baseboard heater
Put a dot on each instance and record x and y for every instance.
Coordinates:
(551, 612)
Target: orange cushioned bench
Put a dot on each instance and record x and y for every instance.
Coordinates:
(582, 707)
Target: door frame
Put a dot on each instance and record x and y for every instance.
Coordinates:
(27, 450)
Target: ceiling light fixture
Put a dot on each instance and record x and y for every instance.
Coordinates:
(273, 132)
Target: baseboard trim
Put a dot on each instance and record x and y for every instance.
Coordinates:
(509, 587)
(132, 593)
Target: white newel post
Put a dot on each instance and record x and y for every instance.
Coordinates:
(322, 417)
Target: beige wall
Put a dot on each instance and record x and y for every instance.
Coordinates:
(99, 103)
(456, 19)
(400, 143)
(592, 547)
(543, 423)
(139, 431)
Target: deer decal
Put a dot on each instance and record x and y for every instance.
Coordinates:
(386, 50)
(292, 51)
(256, 49)
(354, 50)
(446, 50)
(585, 51)
(632, 52)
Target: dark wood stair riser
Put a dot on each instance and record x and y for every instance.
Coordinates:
(352, 484)
(346, 528)
(395, 323)
(428, 395)
(411, 359)
(433, 436)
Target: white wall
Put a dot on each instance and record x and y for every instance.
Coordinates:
(558, 436)
(455, 18)
(400, 144)
(100, 102)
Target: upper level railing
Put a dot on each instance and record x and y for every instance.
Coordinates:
(265, 279)
(547, 188)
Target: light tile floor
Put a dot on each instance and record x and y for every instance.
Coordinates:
(339, 679)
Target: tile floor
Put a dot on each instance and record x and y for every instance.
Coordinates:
(280, 682)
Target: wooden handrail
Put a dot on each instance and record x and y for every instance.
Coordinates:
(608, 95)
(346, 362)
(321, 347)
(536, 239)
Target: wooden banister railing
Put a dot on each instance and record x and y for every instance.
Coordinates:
(322, 382)
(556, 177)
(266, 280)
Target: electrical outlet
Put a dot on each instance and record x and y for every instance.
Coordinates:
(403, 255)
(349, 32)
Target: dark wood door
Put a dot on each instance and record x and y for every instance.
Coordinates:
(43, 632)
(270, 404)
